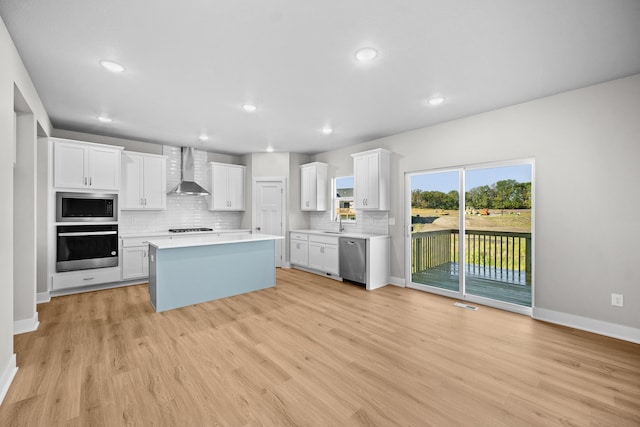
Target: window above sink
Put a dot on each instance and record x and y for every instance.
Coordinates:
(343, 207)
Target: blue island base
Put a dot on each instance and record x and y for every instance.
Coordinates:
(183, 276)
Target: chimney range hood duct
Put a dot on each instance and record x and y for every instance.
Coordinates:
(187, 176)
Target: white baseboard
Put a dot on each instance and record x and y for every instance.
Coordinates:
(82, 289)
(26, 325)
(42, 297)
(397, 281)
(6, 377)
(608, 329)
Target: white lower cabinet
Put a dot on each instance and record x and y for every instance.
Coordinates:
(81, 278)
(135, 262)
(299, 245)
(314, 251)
(320, 253)
(135, 257)
(323, 254)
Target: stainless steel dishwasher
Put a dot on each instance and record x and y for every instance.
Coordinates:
(353, 259)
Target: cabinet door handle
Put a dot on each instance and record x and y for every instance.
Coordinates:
(85, 180)
(89, 181)
(88, 278)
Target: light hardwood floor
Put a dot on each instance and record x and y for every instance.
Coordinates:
(313, 352)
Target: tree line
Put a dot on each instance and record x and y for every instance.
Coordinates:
(505, 194)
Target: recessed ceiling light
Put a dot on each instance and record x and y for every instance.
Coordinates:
(327, 130)
(249, 108)
(436, 100)
(269, 149)
(366, 54)
(114, 67)
(203, 137)
(105, 119)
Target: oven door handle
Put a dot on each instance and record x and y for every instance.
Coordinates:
(87, 233)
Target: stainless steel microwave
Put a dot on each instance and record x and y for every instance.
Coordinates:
(81, 207)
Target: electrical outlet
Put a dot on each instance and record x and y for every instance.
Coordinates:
(617, 300)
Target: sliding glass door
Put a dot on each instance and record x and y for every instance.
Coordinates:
(435, 223)
(492, 262)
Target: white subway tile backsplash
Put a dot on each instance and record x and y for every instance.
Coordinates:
(368, 222)
(182, 211)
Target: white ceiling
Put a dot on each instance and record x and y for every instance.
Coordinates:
(191, 64)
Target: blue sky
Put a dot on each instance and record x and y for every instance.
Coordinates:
(448, 181)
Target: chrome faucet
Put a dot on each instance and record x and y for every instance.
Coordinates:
(340, 227)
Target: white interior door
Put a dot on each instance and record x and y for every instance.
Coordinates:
(269, 212)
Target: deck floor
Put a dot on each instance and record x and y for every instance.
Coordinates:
(508, 287)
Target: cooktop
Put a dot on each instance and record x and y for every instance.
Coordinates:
(189, 230)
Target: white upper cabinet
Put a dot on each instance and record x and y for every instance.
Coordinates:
(371, 170)
(144, 181)
(86, 166)
(227, 187)
(313, 186)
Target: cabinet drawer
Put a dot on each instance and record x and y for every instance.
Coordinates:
(331, 240)
(299, 236)
(76, 279)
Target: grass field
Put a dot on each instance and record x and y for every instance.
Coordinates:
(514, 220)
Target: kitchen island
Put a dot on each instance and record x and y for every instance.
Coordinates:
(197, 269)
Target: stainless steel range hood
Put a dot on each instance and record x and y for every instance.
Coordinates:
(188, 184)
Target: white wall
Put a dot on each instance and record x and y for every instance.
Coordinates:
(42, 192)
(12, 72)
(297, 219)
(586, 145)
(262, 165)
(24, 225)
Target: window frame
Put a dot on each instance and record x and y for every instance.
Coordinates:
(335, 202)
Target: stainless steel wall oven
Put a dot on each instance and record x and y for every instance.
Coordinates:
(81, 247)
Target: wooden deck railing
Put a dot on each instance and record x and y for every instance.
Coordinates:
(496, 255)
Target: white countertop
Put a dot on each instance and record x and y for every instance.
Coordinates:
(209, 239)
(166, 233)
(343, 234)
